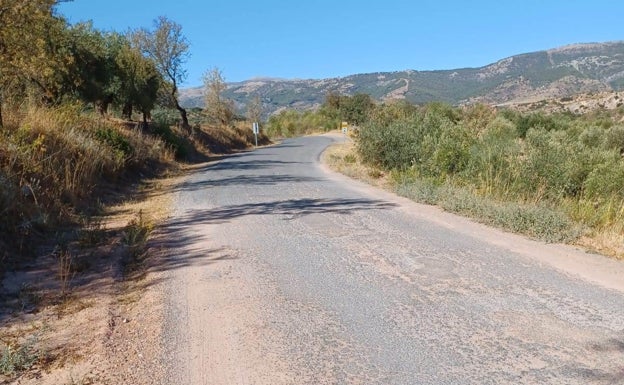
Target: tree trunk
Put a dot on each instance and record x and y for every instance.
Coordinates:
(101, 106)
(1, 121)
(127, 111)
(185, 122)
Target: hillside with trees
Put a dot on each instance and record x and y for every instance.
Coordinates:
(553, 74)
(81, 109)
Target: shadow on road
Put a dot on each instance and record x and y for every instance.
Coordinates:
(241, 180)
(287, 145)
(252, 164)
(610, 347)
(178, 244)
(290, 208)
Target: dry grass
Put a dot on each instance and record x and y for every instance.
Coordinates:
(344, 159)
(224, 139)
(52, 161)
(65, 271)
(608, 242)
(79, 324)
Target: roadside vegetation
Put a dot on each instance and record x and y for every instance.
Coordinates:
(86, 117)
(336, 109)
(82, 109)
(557, 177)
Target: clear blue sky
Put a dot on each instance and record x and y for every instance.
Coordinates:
(312, 39)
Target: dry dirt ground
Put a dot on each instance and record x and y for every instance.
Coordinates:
(103, 329)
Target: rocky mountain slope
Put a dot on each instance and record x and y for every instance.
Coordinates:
(557, 73)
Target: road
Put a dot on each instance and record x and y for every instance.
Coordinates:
(282, 272)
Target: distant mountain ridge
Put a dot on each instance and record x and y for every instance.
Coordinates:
(556, 73)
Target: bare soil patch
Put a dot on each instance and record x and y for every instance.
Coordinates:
(88, 313)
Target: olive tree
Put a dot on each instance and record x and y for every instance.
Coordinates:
(140, 82)
(24, 33)
(169, 49)
(218, 108)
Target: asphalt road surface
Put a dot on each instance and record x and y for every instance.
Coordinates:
(282, 272)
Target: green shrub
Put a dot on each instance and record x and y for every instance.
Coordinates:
(162, 129)
(428, 140)
(606, 180)
(114, 139)
(570, 162)
(536, 221)
(614, 139)
(551, 167)
(452, 150)
(493, 162)
(291, 123)
(538, 120)
(592, 137)
(395, 146)
(409, 185)
(387, 113)
(16, 358)
(477, 117)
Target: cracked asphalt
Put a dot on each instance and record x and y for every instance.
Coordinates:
(281, 272)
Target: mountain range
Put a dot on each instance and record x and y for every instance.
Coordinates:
(557, 73)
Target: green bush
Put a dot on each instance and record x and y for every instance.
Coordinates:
(592, 137)
(614, 139)
(492, 165)
(393, 147)
(606, 180)
(536, 221)
(163, 130)
(555, 165)
(410, 185)
(114, 139)
(550, 160)
(452, 150)
(14, 359)
(538, 120)
(429, 140)
(291, 123)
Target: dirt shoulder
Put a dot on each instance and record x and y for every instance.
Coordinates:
(89, 312)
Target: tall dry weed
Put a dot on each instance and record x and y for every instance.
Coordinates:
(52, 159)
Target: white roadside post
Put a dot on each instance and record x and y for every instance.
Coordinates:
(256, 130)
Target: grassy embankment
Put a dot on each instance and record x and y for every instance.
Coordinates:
(557, 177)
(60, 170)
(54, 164)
